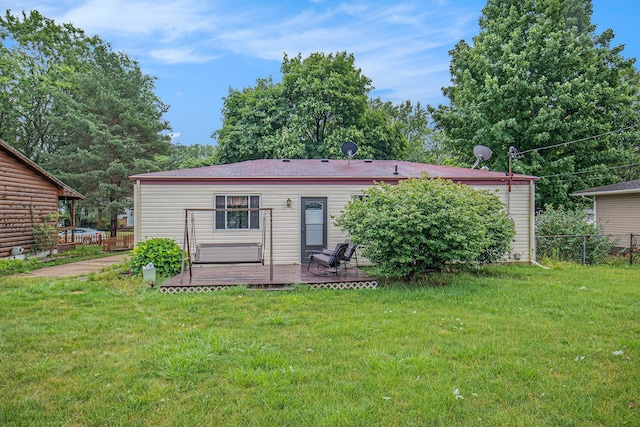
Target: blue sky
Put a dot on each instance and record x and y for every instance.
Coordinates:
(197, 49)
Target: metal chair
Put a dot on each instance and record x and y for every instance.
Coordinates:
(328, 260)
(348, 254)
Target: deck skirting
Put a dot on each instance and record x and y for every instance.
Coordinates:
(221, 277)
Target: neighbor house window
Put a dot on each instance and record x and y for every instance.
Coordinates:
(237, 220)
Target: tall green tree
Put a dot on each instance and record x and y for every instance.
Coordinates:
(38, 58)
(423, 142)
(321, 103)
(537, 76)
(85, 113)
(327, 94)
(383, 137)
(109, 125)
(256, 125)
(187, 156)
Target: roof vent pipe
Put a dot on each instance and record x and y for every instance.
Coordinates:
(395, 172)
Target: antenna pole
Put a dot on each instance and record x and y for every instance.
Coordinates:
(270, 245)
(510, 168)
(512, 151)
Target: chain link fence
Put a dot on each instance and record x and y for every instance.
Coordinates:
(588, 248)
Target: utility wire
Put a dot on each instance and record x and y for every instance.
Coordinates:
(578, 140)
(591, 170)
(593, 178)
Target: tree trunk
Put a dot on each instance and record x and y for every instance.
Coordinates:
(113, 226)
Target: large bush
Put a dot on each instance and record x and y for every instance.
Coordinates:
(425, 224)
(164, 254)
(568, 235)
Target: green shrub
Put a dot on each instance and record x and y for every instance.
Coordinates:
(15, 266)
(81, 251)
(45, 234)
(425, 224)
(572, 233)
(165, 254)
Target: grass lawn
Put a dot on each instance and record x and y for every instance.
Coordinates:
(81, 253)
(509, 345)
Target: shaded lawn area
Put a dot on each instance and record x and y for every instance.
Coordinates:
(509, 345)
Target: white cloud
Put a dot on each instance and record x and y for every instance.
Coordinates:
(167, 19)
(395, 45)
(180, 56)
(175, 137)
(400, 46)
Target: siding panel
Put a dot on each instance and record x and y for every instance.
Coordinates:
(619, 213)
(520, 209)
(161, 214)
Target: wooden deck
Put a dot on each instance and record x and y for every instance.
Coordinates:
(218, 277)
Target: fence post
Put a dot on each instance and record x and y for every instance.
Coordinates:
(584, 250)
(631, 249)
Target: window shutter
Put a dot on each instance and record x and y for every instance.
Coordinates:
(219, 216)
(254, 221)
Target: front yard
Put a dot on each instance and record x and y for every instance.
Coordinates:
(510, 345)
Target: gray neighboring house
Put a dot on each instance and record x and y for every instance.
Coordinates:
(616, 206)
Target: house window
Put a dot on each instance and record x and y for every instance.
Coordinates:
(237, 220)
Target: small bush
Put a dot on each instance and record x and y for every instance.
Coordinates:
(164, 254)
(81, 251)
(425, 224)
(565, 234)
(45, 234)
(15, 266)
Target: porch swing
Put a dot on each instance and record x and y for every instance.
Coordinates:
(194, 253)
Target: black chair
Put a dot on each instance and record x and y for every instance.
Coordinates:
(328, 260)
(348, 254)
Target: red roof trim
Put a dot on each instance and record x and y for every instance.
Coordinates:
(332, 172)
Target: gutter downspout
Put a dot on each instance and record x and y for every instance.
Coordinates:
(595, 212)
(532, 221)
(510, 184)
(532, 227)
(136, 212)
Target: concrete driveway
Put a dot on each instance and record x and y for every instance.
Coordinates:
(80, 268)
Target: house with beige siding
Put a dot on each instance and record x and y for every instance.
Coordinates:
(290, 204)
(616, 206)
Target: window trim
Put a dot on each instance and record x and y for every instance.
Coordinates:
(252, 216)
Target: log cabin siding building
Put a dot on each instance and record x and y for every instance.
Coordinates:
(28, 194)
(304, 196)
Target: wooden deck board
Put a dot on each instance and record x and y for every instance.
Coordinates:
(214, 277)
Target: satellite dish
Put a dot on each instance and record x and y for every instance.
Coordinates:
(482, 153)
(349, 149)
